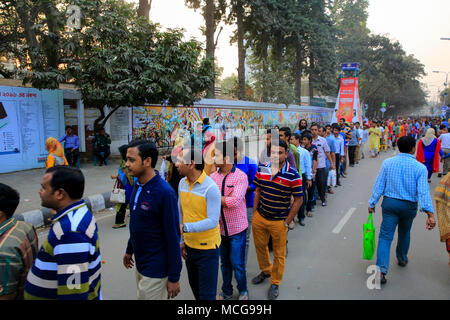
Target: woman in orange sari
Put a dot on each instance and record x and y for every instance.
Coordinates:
(55, 153)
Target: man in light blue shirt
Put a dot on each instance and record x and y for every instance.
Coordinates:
(353, 144)
(306, 169)
(402, 181)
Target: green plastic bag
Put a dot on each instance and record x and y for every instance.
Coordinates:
(368, 239)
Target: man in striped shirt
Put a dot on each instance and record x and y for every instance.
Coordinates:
(68, 264)
(276, 184)
(232, 184)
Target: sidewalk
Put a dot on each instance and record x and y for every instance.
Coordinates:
(27, 183)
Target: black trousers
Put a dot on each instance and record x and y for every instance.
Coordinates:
(351, 154)
(310, 195)
(321, 182)
(120, 215)
(338, 166)
(71, 156)
(98, 153)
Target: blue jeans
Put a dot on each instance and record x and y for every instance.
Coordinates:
(301, 211)
(395, 212)
(232, 257)
(203, 271)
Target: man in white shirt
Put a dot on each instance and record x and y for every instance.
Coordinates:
(360, 145)
(445, 145)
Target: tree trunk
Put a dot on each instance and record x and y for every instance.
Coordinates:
(298, 73)
(144, 8)
(51, 42)
(265, 60)
(311, 78)
(241, 49)
(102, 118)
(278, 48)
(209, 15)
(27, 20)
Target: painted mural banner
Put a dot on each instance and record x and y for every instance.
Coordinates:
(166, 124)
(29, 117)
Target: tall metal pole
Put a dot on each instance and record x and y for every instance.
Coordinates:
(445, 96)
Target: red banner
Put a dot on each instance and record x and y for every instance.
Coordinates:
(347, 99)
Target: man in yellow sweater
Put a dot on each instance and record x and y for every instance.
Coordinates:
(199, 204)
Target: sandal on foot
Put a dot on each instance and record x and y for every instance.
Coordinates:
(222, 296)
(243, 296)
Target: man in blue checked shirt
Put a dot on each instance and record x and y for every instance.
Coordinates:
(402, 181)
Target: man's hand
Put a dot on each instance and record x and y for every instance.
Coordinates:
(431, 223)
(371, 210)
(223, 202)
(128, 261)
(173, 289)
(309, 183)
(183, 251)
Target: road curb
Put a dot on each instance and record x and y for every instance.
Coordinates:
(43, 217)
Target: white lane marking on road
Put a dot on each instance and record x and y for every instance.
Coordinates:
(343, 221)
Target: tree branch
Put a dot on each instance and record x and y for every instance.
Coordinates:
(217, 38)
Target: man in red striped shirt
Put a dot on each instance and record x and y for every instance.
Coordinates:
(278, 197)
(232, 184)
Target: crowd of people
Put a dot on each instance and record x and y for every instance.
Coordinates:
(204, 204)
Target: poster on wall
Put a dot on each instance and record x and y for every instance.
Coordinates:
(9, 128)
(27, 118)
(121, 124)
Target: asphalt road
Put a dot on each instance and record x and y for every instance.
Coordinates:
(321, 264)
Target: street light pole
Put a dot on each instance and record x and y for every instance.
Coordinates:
(446, 83)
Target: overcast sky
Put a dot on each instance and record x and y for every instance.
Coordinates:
(418, 25)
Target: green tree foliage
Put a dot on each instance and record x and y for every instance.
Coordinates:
(119, 59)
(387, 72)
(287, 39)
(229, 86)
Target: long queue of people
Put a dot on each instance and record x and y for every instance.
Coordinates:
(202, 211)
